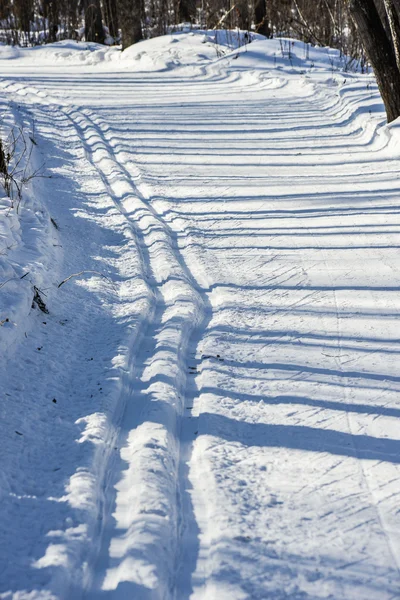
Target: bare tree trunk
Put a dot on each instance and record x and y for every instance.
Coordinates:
(162, 17)
(24, 15)
(187, 11)
(51, 12)
(380, 7)
(111, 17)
(73, 19)
(94, 31)
(242, 8)
(394, 25)
(261, 18)
(130, 17)
(380, 53)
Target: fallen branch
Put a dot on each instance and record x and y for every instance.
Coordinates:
(82, 273)
(222, 19)
(38, 300)
(13, 279)
(7, 281)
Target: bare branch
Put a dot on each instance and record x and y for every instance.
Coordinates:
(82, 273)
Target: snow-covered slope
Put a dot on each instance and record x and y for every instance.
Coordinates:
(210, 408)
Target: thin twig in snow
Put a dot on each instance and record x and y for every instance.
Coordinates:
(82, 273)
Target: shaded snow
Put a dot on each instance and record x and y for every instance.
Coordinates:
(210, 408)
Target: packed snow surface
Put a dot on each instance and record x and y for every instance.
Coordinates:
(210, 408)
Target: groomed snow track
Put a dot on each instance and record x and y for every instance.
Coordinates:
(226, 369)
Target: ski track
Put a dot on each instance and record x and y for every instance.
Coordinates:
(248, 445)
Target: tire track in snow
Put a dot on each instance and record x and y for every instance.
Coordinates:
(187, 528)
(357, 134)
(105, 458)
(133, 205)
(180, 310)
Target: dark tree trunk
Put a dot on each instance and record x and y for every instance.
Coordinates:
(380, 53)
(242, 8)
(380, 7)
(24, 14)
(261, 18)
(162, 17)
(72, 17)
(111, 17)
(187, 11)
(394, 25)
(130, 17)
(51, 13)
(5, 9)
(94, 31)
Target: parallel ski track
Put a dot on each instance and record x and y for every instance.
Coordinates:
(194, 312)
(192, 320)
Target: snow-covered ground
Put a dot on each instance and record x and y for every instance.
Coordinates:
(210, 409)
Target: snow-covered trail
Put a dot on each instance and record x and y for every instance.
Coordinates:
(234, 381)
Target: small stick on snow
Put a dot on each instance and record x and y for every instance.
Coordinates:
(82, 273)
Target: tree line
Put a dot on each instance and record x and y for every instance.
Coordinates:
(28, 22)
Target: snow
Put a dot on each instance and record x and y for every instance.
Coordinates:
(210, 408)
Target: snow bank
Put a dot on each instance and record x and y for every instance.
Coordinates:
(292, 56)
(183, 49)
(67, 52)
(27, 241)
(8, 52)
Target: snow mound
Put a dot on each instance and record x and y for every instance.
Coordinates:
(182, 49)
(8, 52)
(285, 54)
(191, 51)
(27, 240)
(68, 52)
